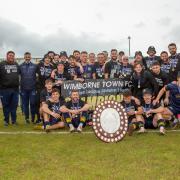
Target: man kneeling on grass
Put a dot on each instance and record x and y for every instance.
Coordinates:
(134, 112)
(75, 112)
(174, 105)
(152, 113)
(51, 112)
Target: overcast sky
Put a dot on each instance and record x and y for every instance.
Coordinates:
(93, 25)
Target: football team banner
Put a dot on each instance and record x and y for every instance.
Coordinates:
(97, 87)
(96, 91)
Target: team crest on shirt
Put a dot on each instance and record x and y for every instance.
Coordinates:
(166, 67)
(45, 71)
(55, 108)
(11, 68)
(126, 71)
(159, 81)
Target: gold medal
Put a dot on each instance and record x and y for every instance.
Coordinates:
(139, 83)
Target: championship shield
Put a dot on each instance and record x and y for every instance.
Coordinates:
(110, 122)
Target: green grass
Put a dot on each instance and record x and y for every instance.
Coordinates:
(83, 156)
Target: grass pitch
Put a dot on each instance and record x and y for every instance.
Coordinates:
(83, 156)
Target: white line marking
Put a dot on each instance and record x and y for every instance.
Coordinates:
(64, 132)
(41, 132)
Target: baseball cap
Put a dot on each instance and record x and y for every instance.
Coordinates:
(63, 53)
(151, 48)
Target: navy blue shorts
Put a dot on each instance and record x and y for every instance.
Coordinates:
(149, 122)
(174, 110)
(130, 118)
(53, 121)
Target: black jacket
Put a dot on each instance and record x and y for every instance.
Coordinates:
(9, 75)
(145, 80)
(162, 79)
(28, 75)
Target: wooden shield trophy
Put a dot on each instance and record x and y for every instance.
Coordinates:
(110, 122)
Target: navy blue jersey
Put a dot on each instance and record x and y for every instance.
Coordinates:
(44, 72)
(147, 107)
(45, 95)
(126, 71)
(75, 105)
(55, 106)
(98, 70)
(132, 106)
(73, 71)
(112, 68)
(150, 60)
(174, 95)
(174, 60)
(78, 72)
(166, 67)
(88, 71)
(61, 76)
